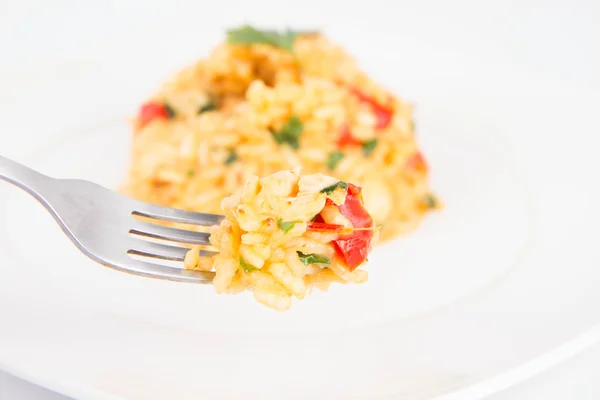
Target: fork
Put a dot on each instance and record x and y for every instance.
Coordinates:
(106, 226)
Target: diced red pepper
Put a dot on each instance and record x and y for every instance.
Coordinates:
(383, 115)
(324, 227)
(318, 217)
(353, 189)
(346, 137)
(354, 248)
(417, 162)
(355, 212)
(361, 96)
(150, 111)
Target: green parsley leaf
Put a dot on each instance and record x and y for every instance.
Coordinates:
(286, 226)
(331, 189)
(210, 106)
(231, 158)
(245, 266)
(250, 35)
(287, 39)
(430, 201)
(290, 133)
(334, 158)
(191, 172)
(369, 146)
(308, 259)
(170, 110)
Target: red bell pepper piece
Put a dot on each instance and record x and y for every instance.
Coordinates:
(352, 248)
(383, 115)
(151, 110)
(353, 189)
(417, 162)
(346, 137)
(355, 212)
(324, 227)
(355, 247)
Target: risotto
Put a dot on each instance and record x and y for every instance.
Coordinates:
(264, 102)
(284, 234)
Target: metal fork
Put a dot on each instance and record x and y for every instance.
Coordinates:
(106, 226)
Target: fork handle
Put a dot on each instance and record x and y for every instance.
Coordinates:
(26, 178)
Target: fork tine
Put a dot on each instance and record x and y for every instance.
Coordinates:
(146, 269)
(163, 251)
(171, 234)
(175, 215)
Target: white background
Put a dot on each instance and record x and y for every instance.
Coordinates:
(563, 37)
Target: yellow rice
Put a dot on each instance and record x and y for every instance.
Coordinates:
(258, 252)
(186, 161)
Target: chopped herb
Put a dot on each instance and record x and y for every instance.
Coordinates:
(170, 111)
(207, 107)
(334, 158)
(290, 133)
(231, 158)
(286, 226)
(245, 266)
(331, 189)
(413, 125)
(191, 172)
(369, 146)
(308, 259)
(286, 40)
(430, 201)
(250, 35)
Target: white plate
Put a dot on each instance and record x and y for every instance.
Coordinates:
(485, 293)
